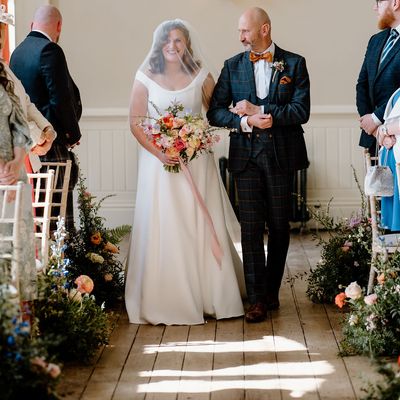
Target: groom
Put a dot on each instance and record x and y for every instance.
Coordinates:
(268, 89)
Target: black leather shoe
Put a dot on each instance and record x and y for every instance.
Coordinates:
(271, 302)
(256, 313)
(273, 305)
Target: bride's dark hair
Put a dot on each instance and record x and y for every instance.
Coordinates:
(157, 62)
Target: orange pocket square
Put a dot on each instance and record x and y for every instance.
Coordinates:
(285, 80)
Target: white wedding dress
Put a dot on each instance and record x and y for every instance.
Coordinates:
(172, 276)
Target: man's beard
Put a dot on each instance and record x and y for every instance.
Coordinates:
(386, 20)
(247, 46)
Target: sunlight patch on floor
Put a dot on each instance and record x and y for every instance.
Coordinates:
(267, 343)
(260, 369)
(296, 387)
(295, 377)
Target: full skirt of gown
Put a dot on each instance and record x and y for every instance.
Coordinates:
(172, 276)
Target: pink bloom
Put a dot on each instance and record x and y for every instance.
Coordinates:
(179, 145)
(39, 361)
(371, 299)
(84, 283)
(53, 370)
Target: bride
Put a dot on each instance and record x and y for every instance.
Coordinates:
(173, 277)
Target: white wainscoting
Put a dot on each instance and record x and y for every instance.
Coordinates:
(108, 159)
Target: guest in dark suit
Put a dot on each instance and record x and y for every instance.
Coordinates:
(380, 73)
(270, 93)
(40, 64)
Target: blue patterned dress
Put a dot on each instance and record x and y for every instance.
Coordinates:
(390, 206)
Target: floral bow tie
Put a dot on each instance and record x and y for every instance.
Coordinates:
(254, 57)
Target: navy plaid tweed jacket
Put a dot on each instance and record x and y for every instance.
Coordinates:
(288, 103)
(377, 83)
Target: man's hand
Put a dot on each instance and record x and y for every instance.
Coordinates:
(244, 107)
(262, 121)
(368, 124)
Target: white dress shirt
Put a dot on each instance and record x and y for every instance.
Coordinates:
(262, 79)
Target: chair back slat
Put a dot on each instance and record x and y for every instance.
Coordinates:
(42, 184)
(10, 222)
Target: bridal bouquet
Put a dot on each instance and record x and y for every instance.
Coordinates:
(180, 134)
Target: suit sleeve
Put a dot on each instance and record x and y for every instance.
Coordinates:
(297, 110)
(363, 102)
(218, 113)
(62, 104)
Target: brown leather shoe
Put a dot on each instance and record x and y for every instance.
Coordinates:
(256, 313)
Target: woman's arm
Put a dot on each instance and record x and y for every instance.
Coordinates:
(207, 91)
(138, 112)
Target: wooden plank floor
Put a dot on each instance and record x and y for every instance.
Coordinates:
(291, 355)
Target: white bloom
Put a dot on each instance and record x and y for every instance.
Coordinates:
(75, 295)
(95, 258)
(353, 291)
(353, 320)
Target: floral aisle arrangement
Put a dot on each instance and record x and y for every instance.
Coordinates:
(345, 257)
(93, 250)
(373, 324)
(24, 363)
(389, 388)
(68, 312)
(180, 134)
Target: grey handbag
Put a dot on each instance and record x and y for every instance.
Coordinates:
(379, 180)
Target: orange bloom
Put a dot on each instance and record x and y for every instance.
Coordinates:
(95, 238)
(168, 121)
(381, 278)
(340, 299)
(112, 248)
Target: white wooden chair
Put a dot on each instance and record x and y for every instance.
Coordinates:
(42, 183)
(62, 173)
(10, 221)
(382, 245)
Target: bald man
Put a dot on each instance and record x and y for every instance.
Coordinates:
(263, 95)
(40, 64)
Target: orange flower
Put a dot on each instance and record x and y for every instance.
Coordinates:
(112, 248)
(168, 121)
(398, 361)
(381, 278)
(95, 238)
(340, 299)
(84, 283)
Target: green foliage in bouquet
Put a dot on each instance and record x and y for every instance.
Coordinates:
(373, 324)
(69, 314)
(25, 367)
(92, 251)
(389, 388)
(345, 255)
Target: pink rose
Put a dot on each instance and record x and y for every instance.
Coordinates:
(84, 283)
(53, 370)
(179, 145)
(371, 299)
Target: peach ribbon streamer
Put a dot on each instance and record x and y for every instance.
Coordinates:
(215, 245)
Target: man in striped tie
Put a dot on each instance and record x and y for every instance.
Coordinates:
(380, 73)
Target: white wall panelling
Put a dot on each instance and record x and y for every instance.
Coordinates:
(108, 158)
